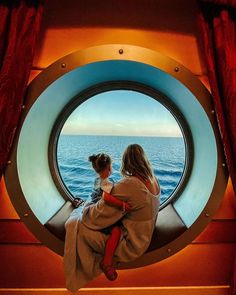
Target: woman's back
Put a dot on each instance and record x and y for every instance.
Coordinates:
(152, 185)
(139, 223)
(137, 194)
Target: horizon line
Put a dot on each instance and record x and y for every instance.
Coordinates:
(122, 135)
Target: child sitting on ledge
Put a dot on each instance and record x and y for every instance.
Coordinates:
(101, 163)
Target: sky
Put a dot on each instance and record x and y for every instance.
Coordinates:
(123, 113)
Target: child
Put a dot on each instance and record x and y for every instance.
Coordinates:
(102, 188)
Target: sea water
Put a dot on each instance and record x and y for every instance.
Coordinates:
(166, 154)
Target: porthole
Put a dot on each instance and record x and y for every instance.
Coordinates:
(33, 180)
(108, 117)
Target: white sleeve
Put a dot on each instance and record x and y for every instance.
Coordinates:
(106, 185)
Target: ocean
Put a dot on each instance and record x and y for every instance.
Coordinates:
(166, 154)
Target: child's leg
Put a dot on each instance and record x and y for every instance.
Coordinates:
(110, 248)
(111, 245)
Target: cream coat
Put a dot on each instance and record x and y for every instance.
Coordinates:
(85, 243)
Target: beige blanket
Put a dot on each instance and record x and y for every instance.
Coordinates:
(85, 243)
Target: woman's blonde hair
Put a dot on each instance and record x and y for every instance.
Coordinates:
(135, 163)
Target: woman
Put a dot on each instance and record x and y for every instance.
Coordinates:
(85, 242)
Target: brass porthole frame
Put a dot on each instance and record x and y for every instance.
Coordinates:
(100, 55)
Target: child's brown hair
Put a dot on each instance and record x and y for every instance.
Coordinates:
(100, 162)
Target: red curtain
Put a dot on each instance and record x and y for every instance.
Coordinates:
(217, 23)
(19, 26)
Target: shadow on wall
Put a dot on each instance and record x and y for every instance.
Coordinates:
(172, 16)
(164, 15)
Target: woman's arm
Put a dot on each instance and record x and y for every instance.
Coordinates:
(100, 215)
(113, 201)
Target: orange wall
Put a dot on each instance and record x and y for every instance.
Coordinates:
(159, 25)
(26, 263)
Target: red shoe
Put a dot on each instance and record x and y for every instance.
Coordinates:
(109, 271)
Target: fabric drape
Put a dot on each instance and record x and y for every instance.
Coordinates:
(19, 26)
(217, 23)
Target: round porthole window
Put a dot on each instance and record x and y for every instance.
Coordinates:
(107, 122)
(99, 100)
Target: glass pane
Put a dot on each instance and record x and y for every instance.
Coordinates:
(107, 123)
